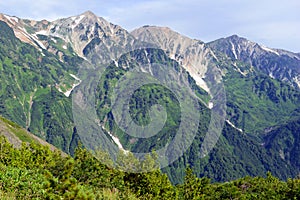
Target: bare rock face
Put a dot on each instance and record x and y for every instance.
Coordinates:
(89, 34)
(99, 41)
(192, 54)
(279, 64)
(86, 33)
(26, 30)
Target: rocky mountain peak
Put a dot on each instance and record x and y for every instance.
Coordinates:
(237, 38)
(89, 14)
(279, 64)
(190, 53)
(10, 20)
(165, 38)
(25, 29)
(81, 30)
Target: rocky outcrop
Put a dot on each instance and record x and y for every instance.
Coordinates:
(279, 64)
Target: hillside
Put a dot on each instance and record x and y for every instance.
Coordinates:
(16, 135)
(30, 81)
(227, 109)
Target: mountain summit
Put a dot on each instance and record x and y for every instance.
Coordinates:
(190, 53)
(278, 64)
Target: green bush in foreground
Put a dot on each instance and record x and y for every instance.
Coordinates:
(35, 172)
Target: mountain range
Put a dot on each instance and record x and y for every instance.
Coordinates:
(45, 65)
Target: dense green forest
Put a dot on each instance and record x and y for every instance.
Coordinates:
(34, 171)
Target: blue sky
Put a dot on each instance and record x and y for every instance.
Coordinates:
(272, 23)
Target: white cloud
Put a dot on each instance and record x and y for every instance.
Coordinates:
(267, 21)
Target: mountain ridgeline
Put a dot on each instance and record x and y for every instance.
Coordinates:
(43, 64)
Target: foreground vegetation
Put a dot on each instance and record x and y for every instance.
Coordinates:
(34, 171)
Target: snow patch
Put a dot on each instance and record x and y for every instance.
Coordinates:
(32, 39)
(67, 93)
(233, 50)
(35, 39)
(210, 105)
(56, 28)
(11, 19)
(281, 154)
(172, 56)
(143, 70)
(116, 63)
(201, 83)
(80, 18)
(231, 124)
(150, 69)
(77, 20)
(60, 90)
(213, 54)
(271, 75)
(21, 33)
(239, 70)
(116, 141)
(75, 77)
(243, 73)
(269, 50)
(51, 27)
(42, 32)
(23, 29)
(54, 40)
(297, 80)
(39, 42)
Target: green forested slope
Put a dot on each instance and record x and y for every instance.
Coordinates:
(35, 172)
(265, 101)
(29, 89)
(284, 140)
(255, 101)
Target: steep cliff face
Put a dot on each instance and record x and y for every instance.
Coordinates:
(192, 54)
(88, 34)
(279, 64)
(85, 33)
